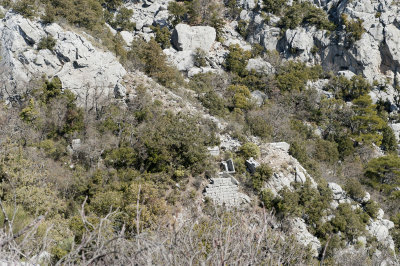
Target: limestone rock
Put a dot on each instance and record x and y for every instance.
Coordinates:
(127, 37)
(286, 169)
(338, 192)
(183, 60)
(119, 91)
(185, 37)
(260, 66)
(259, 97)
(87, 71)
(299, 228)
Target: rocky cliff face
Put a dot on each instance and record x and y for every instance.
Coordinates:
(375, 55)
(88, 71)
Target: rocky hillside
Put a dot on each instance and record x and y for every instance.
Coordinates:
(199, 132)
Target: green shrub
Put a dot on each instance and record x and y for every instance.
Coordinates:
(26, 8)
(122, 157)
(258, 124)
(383, 170)
(242, 28)
(353, 28)
(111, 4)
(326, 151)
(240, 97)
(55, 150)
(354, 189)
(348, 221)
(163, 36)
(263, 173)
(372, 208)
(349, 90)
(367, 125)
(150, 58)
(49, 15)
(199, 58)
(248, 150)
(274, 6)
(122, 20)
(389, 142)
(47, 43)
(267, 198)
(177, 11)
(294, 76)
(305, 13)
(215, 104)
(237, 59)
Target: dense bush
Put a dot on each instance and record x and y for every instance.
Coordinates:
(354, 188)
(274, 6)
(26, 8)
(163, 36)
(248, 150)
(348, 90)
(240, 97)
(47, 43)
(150, 58)
(367, 125)
(383, 170)
(305, 13)
(237, 59)
(199, 58)
(122, 20)
(262, 174)
(293, 76)
(353, 28)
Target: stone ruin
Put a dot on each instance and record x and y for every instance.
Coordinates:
(225, 191)
(228, 166)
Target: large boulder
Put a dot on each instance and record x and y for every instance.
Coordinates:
(185, 37)
(88, 71)
(260, 66)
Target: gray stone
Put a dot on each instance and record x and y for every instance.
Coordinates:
(260, 66)
(346, 73)
(127, 37)
(300, 176)
(76, 144)
(251, 165)
(280, 145)
(119, 91)
(259, 97)
(299, 228)
(86, 70)
(338, 193)
(185, 37)
(214, 151)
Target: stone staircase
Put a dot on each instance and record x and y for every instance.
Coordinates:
(225, 191)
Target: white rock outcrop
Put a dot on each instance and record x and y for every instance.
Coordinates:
(185, 37)
(299, 229)
(286, 169)
(260, 66)
(88, 71)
